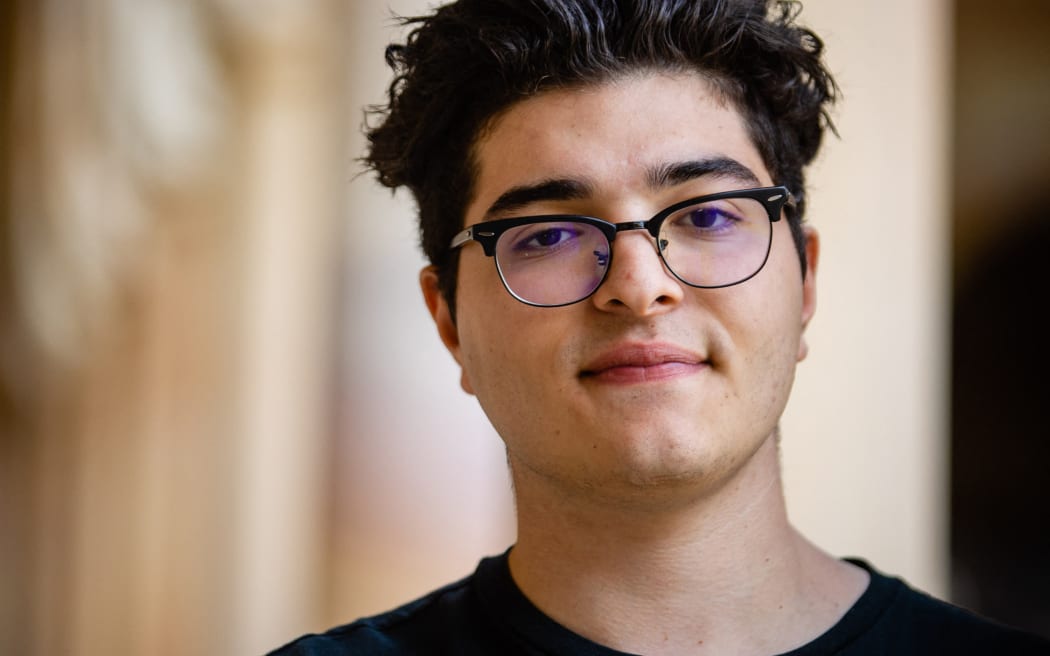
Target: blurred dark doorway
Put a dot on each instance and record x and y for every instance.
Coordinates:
(1001, 339)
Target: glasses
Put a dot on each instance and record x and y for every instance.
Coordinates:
(709, 242)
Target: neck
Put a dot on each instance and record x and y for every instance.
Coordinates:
(693, 572)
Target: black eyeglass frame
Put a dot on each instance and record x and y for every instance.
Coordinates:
(487, 233)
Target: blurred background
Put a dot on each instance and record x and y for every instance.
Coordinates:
(225, 419)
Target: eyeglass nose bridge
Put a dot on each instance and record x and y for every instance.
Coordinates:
(631, 225)
(650, 226)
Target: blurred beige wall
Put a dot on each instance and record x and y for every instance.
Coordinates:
(227, 419)
(865, 436)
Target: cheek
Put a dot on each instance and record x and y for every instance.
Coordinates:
(502, 339)
(481, 306)
(517, 359)
(765, 330)
(776, 368)
(510, 393)
(504, 358)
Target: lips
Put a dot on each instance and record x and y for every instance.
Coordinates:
(642, 362)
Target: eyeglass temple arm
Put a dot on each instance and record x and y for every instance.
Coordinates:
(462, 238)
(486, 238)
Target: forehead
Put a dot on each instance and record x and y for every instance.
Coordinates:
(615, 137)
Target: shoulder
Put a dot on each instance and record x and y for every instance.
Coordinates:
(412, 628)
(948, 625)
(913, 622)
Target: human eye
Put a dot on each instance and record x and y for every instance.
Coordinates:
(541, 238)
(722, 220)
(708, 218)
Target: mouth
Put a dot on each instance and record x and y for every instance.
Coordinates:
(641, 363)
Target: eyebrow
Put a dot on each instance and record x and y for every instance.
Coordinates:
(660, 177)
(547, 190)
(676, 173)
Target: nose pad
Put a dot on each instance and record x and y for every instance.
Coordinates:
(637, 279)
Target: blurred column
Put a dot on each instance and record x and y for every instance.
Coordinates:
(170, 273)
(291, 58)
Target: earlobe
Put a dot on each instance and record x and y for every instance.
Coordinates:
(809, 287)
(442, 316)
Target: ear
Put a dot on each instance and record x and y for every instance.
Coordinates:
(809, 286)
(446, 327)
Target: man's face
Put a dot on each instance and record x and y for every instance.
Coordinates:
(648, 382)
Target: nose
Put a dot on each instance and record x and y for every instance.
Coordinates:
(638, 283)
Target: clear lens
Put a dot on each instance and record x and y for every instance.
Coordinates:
(717, 243)
(552, 262)
(712, 244)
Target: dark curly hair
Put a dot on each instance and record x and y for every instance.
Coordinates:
(470, 60)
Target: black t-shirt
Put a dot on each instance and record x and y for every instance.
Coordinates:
(486, 613)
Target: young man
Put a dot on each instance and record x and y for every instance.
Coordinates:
(630, 320)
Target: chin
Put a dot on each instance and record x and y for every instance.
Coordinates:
(666, 465)
(652, 490)
(683, 464)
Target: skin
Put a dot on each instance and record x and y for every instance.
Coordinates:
(650, 512)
